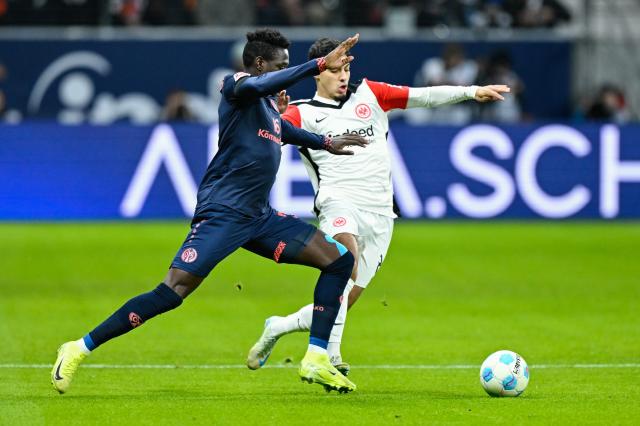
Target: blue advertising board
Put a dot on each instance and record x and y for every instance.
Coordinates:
(105, 82)
(555, 171)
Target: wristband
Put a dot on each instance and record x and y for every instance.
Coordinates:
(328, 142)
(322, 64)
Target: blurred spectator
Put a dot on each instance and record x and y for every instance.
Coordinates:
(363, 13)
(127, 12)
(498, 70)
(279, 12)
(454, 69)
(428, 13)
(225, 12)
(440, 12)
(6, 115)
(169, 12)
(50, 12)
(321, 12)
(175, 107)
(492, 14)
(536, 13)
(153, 12)
(609, 105)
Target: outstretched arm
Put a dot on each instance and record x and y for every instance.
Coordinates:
(390, 96)
(247, 87)
(446, 95)
(296, 136)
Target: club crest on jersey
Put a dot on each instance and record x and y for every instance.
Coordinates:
(363, 110)
(135, 320)
(189, 255)
(339, 221)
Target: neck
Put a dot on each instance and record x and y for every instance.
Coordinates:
(320, 91)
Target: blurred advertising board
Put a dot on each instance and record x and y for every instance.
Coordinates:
(554, 171)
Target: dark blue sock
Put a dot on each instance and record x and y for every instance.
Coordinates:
(133, 314)
(326, 298)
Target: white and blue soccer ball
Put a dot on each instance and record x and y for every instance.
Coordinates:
(504, 373)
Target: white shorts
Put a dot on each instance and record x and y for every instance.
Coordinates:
(373, 234)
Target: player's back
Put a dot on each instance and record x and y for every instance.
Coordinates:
(243, 171)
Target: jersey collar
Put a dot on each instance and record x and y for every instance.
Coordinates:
(319, 101)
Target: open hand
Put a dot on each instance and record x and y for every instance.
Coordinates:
(491, 92)
(338, 144)
(337, 58)
(283, 101)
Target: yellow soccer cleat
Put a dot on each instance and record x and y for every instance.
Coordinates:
(316, 368)
(69, 358)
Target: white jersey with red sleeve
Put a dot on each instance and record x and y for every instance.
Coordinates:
(362, 179)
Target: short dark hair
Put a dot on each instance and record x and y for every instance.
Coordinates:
(265, 43)
(321, 47)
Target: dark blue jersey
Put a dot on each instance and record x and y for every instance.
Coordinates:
(241, 174)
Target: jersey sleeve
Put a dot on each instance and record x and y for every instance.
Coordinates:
(251, 87)
(300, 137)
(389, 96)
(292, 115)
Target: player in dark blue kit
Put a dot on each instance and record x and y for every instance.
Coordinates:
(233, 210)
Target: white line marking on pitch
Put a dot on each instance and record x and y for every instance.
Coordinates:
(364, 367)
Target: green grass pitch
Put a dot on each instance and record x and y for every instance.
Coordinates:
(561, 294)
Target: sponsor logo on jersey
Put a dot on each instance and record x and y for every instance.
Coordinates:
(364, 131)
(270, 136)
(135, 320)
(339, 221)
(321, 119)
(363, 110)
(278, 251)
(189, 255)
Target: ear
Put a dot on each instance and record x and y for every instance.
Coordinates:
(260, 64)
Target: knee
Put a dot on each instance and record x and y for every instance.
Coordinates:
(182, 283)
(181, 289)
(342, 265)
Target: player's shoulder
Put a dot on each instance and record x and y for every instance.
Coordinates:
(299, 102)
(230, 80)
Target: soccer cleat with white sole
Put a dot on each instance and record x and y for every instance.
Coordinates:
(316, 368)
(69, 358)
(260, 352)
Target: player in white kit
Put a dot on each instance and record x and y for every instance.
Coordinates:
(353, 194)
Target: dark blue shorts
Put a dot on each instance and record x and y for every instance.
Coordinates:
(274, 235)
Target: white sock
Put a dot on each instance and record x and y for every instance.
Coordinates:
(316, 349)
(335, 339)
(297, 321)
(83, 346)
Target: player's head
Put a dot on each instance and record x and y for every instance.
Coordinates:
(265, 51)
(330, 84)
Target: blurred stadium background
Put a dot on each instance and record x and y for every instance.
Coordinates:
(147, 72)
(108, 113)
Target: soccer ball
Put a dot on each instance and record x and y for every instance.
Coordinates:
(504, 373)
